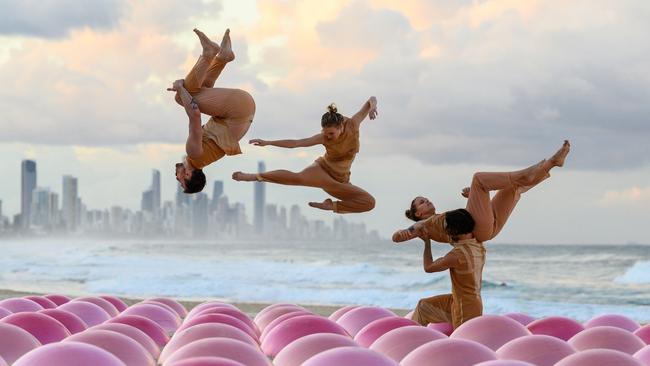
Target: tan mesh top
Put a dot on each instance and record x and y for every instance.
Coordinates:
(340, 154)
(216, 143)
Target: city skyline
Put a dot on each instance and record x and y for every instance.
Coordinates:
(185, 215)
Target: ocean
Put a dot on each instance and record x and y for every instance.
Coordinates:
(578, 281)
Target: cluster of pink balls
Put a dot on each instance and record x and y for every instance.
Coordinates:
(54, 330)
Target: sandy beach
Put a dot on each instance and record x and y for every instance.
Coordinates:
(250, 308)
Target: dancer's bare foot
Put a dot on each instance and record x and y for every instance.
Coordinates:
(244, 177)
(327, 205)
(558, 158)
(465, 192)
(226, 54)
(210, 48)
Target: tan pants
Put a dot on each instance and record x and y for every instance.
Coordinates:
(352, 199)
(491, 215)
(443, 309)
(235, 106)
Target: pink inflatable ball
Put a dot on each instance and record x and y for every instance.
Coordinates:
(295, 328)
(133, 333)
(18, 305)
(540, 350)
(71, 322)
(160, 304)
(108, 307)
(643, 355)
(167, 319)
(177, 306)
(371, 332)
(42, 301)
(556, 326)
(234, 313)
(209, 304)
(263, 320)
(399, 342)
(607, 337)
(69, 354)
(613, 320)
(220, 347)
(126, 349)
(221, 319)
(57, 299)
(273, 306)
(597, 357)
(15, 342)
(643, 333)
(116, 301)
(449, 352)
(492, 331)
(354, 320)
(44, 328)
(281, 319)
(207, 361)
(349, 356)
(90, 313)
(204, 331)
(505, 363)
(340, 312)
(302, 349)
(444, 328)
(4, 312)
(148, 326)
(523, 319)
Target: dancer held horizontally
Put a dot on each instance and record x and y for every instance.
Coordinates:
(466, 230)
(331, 172)
(231, 111)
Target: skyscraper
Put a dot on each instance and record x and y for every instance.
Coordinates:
(260, 200)
(45, 208)
(147, 203)
(69, 204)
(27, 186)
(200, 215)
(155, 188)
(217, 192)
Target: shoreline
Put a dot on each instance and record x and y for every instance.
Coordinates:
(250, 308)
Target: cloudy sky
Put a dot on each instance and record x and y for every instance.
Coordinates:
(462, 86)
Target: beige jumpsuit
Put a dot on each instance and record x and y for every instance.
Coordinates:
(231, 111)
(464, 302)
(331, 172)
(491, 215)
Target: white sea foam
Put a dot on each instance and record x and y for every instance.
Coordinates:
(637, 274)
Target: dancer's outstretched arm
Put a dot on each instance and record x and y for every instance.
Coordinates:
(369, 109)
(193, 146)
(416, 230)
(290, 144)
(450, 260)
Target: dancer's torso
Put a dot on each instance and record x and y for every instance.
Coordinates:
(435, 228)
(466, 279)
(220, 138)
(340, 154)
